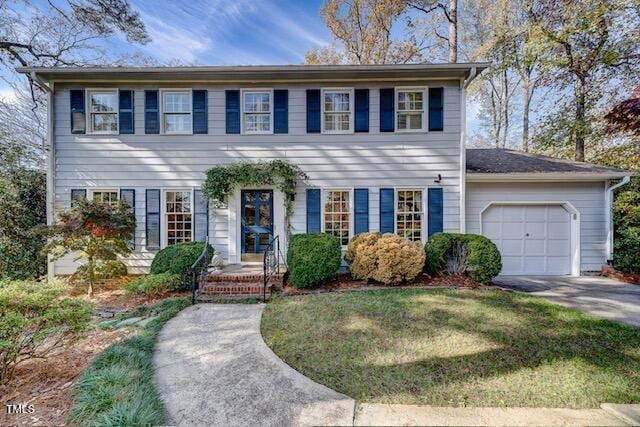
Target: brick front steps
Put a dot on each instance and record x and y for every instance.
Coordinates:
(238, 281)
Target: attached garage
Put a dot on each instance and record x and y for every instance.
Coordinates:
(532, 238)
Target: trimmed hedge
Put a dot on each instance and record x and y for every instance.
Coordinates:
(483, 261)
(313, 259)
(154, 284)
(178, 259)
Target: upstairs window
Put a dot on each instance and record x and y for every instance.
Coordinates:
(176, 112)
(103, 111)
(337, 111)
(257, 111)
(410, 105)
(410, 212)
(337, 214)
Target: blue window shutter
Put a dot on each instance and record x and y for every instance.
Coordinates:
(151, 112)
(201, 211)
(200, 116)
(232, 113)
(78, 194)
(361, 207)
(436, 108)
(280, 111)
(313, 210)
(152, 204)
(78, 118)
(435, 211)
(313, 111)
(127, 124)
(129, 197)
(387, 110)
(361, 98)
(387, 210)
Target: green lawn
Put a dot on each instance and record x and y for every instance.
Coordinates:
(455, 348)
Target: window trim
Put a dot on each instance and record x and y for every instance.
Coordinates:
(162, 92)
(89, 111)
(91, 191)
(351, 92)
(323, 192)
(425, 108)
(425, 205)
(242, 112)
(164, 235)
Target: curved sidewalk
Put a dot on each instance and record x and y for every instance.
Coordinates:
(213, 368)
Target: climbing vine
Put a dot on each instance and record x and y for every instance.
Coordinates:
(224, 179)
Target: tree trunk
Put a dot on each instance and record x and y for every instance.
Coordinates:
(580, 125)
(453, 31)
(526, 105)
(90, 265)
(505, 104)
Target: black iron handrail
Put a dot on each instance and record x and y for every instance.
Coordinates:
(270, 263)
(199, 269)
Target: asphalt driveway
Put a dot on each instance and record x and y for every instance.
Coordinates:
(598, 296)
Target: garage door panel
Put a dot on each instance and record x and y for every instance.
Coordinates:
(533, 239)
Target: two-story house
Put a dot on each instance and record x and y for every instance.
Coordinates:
(383, 146)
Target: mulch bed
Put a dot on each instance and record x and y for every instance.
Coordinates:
(344, 283)
(623, 276)
(48, 383)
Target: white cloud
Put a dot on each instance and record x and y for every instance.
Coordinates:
(174, 42)
(7, 94)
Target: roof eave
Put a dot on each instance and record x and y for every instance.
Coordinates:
(544, 176)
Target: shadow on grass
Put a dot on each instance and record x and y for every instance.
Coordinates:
(445, 347)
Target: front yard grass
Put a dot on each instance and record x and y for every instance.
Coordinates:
(455, 348)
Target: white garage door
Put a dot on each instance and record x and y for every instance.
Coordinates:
(533, 239)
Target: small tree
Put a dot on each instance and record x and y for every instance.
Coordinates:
(99, 232)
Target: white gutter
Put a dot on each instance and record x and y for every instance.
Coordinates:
(36, 78)
(463, 148)
(51, 161)
(609, 215)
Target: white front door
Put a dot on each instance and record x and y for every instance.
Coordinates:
(533, 239)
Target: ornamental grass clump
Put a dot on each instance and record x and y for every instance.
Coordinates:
(385, 258)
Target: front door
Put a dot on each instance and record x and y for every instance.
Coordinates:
(257, 223)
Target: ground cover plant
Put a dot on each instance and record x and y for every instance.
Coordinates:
(455, 348)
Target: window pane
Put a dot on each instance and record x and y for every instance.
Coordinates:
(336, 122)
(257, 122)
(176, 102)
(104, 122)
(178, 217)
(409, 214)
(410, 121)
(104, 102)
(336, 101)
(256, 102)
(177, 123)
(337, 214)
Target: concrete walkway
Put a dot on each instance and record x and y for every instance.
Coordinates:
(598, 296)
(213, 368)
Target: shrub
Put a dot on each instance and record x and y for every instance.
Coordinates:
(470, 254)
(35, 319)
(626, 210)
(154, 284)
(385, 258)
(178, 259)
(312, 259)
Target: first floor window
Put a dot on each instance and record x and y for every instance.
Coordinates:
(108, 197)
(176, 111)
(103, 111)
(178, 216)
(409, 214)
(256, 108)
(410, 109)
(337, 111)
(337, 213)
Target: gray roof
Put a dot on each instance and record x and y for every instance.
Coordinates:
(503, 161)
(260, 73)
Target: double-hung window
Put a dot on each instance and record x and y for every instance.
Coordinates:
(103, 111)
(257, 106)
(410, 214)
(337, 110)
(107, 197)
(178, 216)
(410, 109)
(176, 111)
(337, 214)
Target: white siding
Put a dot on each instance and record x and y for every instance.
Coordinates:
(586, 197)
(367, 160)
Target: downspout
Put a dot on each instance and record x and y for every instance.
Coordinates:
(609, 215)
(463, 148)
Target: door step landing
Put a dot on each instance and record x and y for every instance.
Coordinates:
(237, 281)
